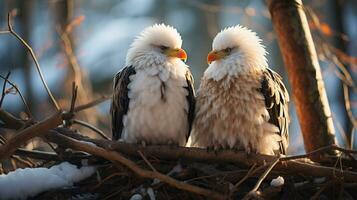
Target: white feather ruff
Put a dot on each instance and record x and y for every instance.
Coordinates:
(158, 34)
(249, 53)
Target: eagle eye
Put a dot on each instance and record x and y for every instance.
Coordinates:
(162, 47)
(227, 50)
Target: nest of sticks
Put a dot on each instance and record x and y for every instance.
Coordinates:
(171, 172)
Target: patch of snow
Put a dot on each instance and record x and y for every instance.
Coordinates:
(176, 169)
(319, 180)
(84, 162)
(277, 182)
(28, 182)
(299, 184)
(99, 178)
(151, 193)
(136, 197)
(155, 181)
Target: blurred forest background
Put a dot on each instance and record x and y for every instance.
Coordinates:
(86, 41)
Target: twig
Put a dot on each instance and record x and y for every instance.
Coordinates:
(28, 133)
(74, 96)
(214, 175)
(249, 173)
(253, 192)
(317, 194)
(25, 162)
(117, 158)
(3, 88)
(91, 127)
(42, 155)
(318, 151)
(348, 105)
(2, 139)
(91, 104)
(28, 112)
(24, 43)
(68, 116)
(50, 156)
(147, 162)
(109, 177)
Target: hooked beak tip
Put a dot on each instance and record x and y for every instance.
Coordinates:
(211, 57)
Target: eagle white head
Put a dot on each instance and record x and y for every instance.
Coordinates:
(235, 50)
(155, 45)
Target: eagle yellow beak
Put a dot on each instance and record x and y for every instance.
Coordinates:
(178, 53)
(215, 55)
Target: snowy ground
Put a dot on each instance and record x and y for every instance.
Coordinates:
(28, 182)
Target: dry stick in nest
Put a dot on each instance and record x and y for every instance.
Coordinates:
(41, 155)
(254, 191)
(322, 150)
(249, 173)
(291, 165)
(24, 43)
(147, 161)
(38, 129)
(117, 158)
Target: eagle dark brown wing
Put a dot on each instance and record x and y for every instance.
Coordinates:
(120, 101)
(276, 101)
(191, 100)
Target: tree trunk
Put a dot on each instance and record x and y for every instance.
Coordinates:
(304, 73)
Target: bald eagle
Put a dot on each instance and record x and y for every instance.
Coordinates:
(241, 103)
(154, 99)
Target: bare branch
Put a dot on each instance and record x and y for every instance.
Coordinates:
(91, 127)
(249, 173)
(28, 112)
(24, 43)
(253, 192)
(3, 88)
(147, 161)
(348, 105)
(91, 104)
(74, 96)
